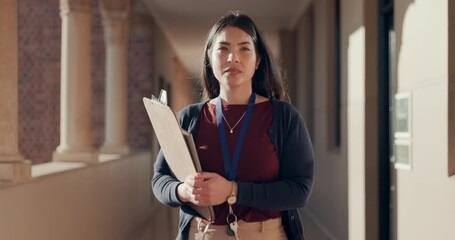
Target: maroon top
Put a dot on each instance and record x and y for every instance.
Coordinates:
(258, 159)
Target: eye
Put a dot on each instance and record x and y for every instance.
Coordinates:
(245, 49)
(222, 48)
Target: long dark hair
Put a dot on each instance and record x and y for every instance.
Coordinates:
(267, 80)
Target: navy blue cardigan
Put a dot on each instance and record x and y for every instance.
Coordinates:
(291, 191)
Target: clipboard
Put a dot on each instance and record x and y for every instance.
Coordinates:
(177, 145)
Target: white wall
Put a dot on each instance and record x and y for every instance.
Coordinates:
(356, 133)
(426, 195)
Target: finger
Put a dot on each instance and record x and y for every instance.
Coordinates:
(201, 200)
(193, 197)
(200, 192)
(205, 175)
(194, 201)
(197, 191)
(200, 184)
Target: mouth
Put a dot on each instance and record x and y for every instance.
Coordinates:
(232, 71)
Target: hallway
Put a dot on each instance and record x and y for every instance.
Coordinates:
(373, 80)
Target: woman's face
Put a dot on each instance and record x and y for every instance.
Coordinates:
(233, 58)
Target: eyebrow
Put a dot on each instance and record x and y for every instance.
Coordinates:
(228, 43)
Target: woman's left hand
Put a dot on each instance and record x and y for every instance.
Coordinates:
(211, 189)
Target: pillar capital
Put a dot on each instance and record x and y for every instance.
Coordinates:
(116, 16)
(115, 5)
(115, 10)
(66, 6)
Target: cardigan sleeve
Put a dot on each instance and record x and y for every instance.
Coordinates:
(296, 175)
(164, 184)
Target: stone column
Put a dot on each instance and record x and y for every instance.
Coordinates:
(116, 16)
(76, 89)
(13, 167)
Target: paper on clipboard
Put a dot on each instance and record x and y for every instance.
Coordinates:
(177, 145)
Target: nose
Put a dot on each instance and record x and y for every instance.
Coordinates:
(233, 58)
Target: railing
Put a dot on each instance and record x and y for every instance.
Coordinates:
(108, 200)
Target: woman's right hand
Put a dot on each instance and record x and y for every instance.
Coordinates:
(205, 189)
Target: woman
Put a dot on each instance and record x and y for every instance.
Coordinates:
(253, 146)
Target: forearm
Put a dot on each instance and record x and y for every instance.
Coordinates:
(165, 189)
(277, 195)
(164, 185)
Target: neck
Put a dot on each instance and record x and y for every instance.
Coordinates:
(236, 96)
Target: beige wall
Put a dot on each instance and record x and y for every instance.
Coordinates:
(425, 193)
(163, 53)
(112, 200)
(328, 204)
(170, 67)
(273, 40)
(304, 65)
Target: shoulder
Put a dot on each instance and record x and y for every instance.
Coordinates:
(192, 108)
(284, 109)
(286, 117)
(190, 111)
